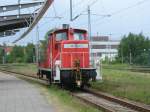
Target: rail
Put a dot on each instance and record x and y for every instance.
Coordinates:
(110, 103)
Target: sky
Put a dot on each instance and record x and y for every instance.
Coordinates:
(125, 16)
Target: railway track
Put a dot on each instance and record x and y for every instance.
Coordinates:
(101, 103)
(110, 103)
(97, 99)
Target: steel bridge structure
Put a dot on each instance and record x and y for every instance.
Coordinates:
(11, 24)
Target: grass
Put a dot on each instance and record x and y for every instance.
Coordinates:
(66, 99)
(128, 67)
(126, 84)
(30, 69)
(117, 66)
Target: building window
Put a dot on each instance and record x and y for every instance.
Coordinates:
(97, 54)
(98, 46)
(100, 38)
(114, 46)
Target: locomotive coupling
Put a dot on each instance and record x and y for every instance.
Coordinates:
(78, 74)
(77, 64)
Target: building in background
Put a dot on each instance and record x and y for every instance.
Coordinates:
(6, 49)
(104, 48)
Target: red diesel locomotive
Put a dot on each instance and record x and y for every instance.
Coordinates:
(67, 58)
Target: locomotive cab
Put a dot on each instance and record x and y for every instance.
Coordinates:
(68, 58)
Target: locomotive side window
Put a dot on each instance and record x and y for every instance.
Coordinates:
(78, 36)
(61, 36)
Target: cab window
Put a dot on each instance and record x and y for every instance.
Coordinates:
(61, 36)
(78, 36)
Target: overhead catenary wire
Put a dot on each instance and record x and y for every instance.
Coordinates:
(91, 2)
(122, 10)
(129, 7)
(53, 18)
(55, 12)
(85, 10)
(94, 2)
(96, 21)
(50, 19)
(59, 17)
(103, 8)
(74, 6)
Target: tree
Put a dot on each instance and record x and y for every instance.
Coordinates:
(17, 55)
(133, 47)
(30, 53)
(21, 54)
(1, 55)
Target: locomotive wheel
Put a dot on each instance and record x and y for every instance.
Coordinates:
(94, 76)
(38, 74)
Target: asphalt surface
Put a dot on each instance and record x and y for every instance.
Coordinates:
(17, 95)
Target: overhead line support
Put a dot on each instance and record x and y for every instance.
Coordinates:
(71, 16)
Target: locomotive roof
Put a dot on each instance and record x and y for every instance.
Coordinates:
(59, 30)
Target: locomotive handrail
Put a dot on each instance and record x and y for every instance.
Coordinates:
(56, 57)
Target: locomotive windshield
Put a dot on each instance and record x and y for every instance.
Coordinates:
(61, 36)
(78, 36)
